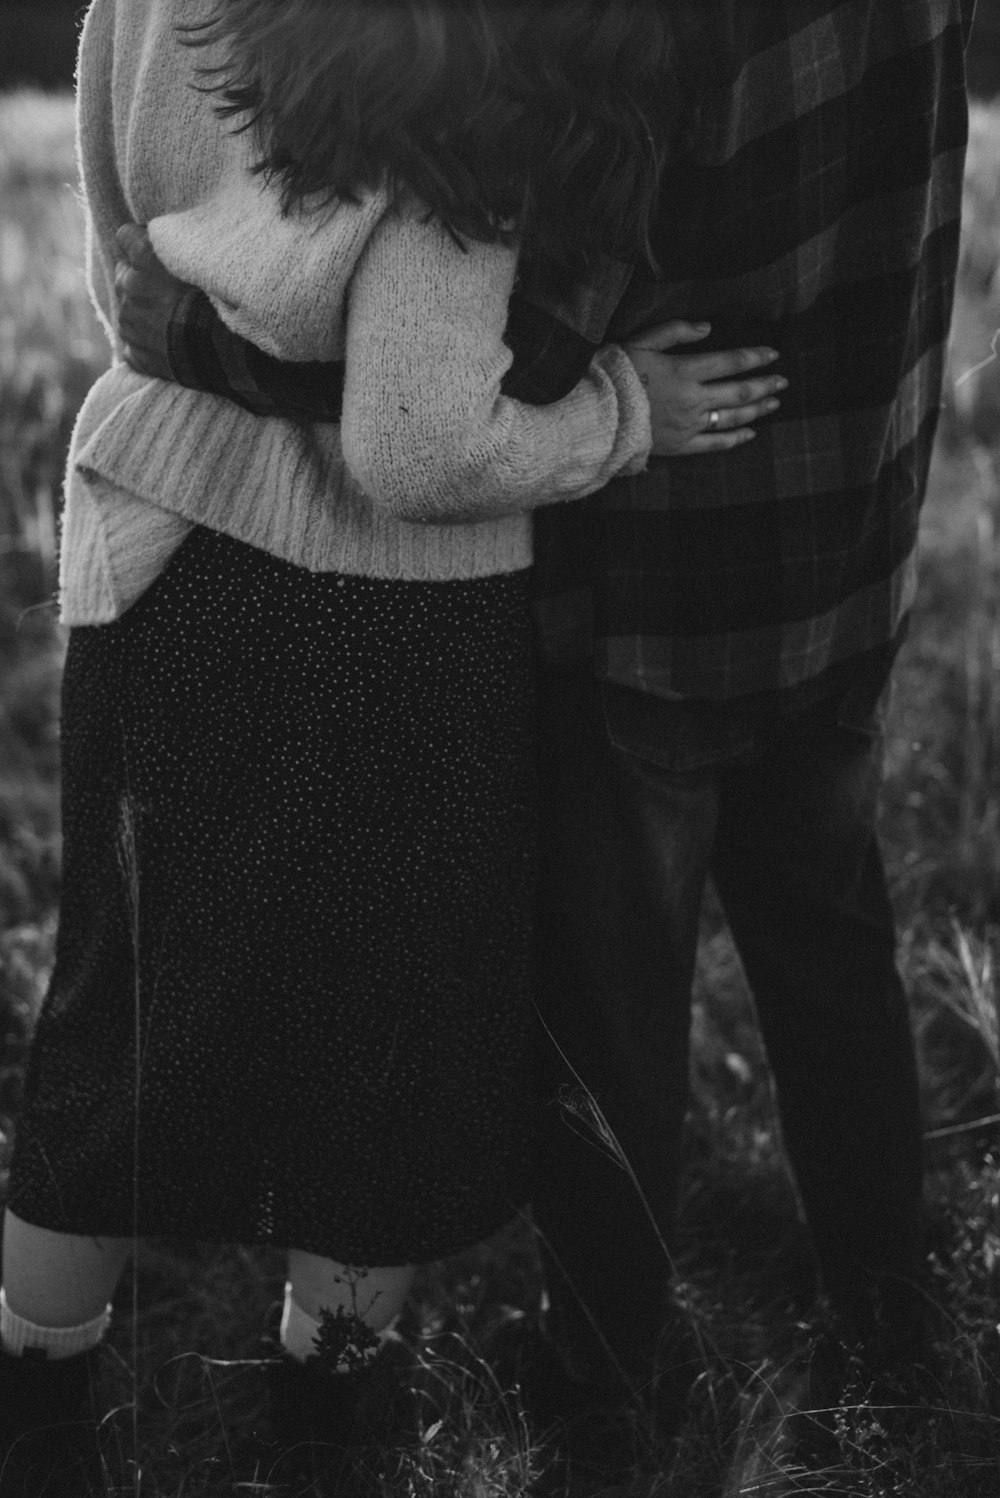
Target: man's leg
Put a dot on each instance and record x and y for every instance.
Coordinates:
(625, 847)
(800, 875)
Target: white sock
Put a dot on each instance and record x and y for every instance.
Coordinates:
(299, 1331)
(18, 1335)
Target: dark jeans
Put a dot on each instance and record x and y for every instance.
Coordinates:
(643, 799)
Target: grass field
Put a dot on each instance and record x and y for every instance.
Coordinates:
(187, 1328)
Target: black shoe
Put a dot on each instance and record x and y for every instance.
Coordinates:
(875, 1351)
(581, 1417)
(49, 1444)
(335, 1430)
(616, 1411)
(888, 1318)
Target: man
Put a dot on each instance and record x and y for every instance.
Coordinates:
(744, 613)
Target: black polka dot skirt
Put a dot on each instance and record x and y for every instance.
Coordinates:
(290, 997)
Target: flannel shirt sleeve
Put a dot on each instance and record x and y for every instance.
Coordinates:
(204, 354)
(550, 358)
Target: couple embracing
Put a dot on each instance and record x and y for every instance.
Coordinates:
(439, 625)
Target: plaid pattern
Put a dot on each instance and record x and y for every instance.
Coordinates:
(204, 355)
(816, 210)
(812, 204)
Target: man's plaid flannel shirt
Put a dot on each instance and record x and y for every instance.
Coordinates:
(812, 204)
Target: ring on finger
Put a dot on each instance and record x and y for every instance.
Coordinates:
(713, 421)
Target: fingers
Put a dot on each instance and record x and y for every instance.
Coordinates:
(726, 363)
(137, 266)
(718, 442)
(732, 396)
(727, 422)
(129, 285)
(741, 416)
(135, 246)
(669, 334)
(728, 418)
(723, 425)
(724, 429)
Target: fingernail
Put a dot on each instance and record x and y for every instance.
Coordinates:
(771, 405)
(781, 383)
(770, 353)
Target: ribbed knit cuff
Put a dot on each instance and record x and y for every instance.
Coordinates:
(18, 1335)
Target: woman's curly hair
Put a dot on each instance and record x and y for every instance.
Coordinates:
(542, 120)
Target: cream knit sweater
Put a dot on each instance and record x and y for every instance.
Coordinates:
(433, 473)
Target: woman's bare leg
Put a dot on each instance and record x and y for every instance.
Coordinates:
(59, 1279)
(375, 1296)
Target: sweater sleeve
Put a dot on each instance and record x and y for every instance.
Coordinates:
(427, 431)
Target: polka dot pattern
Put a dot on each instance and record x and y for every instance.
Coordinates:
(292, 965)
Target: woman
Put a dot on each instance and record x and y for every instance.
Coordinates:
(290, 995)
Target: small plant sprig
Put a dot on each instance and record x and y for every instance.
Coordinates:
(345, 1343)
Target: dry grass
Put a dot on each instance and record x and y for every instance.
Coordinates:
(187, 1360)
